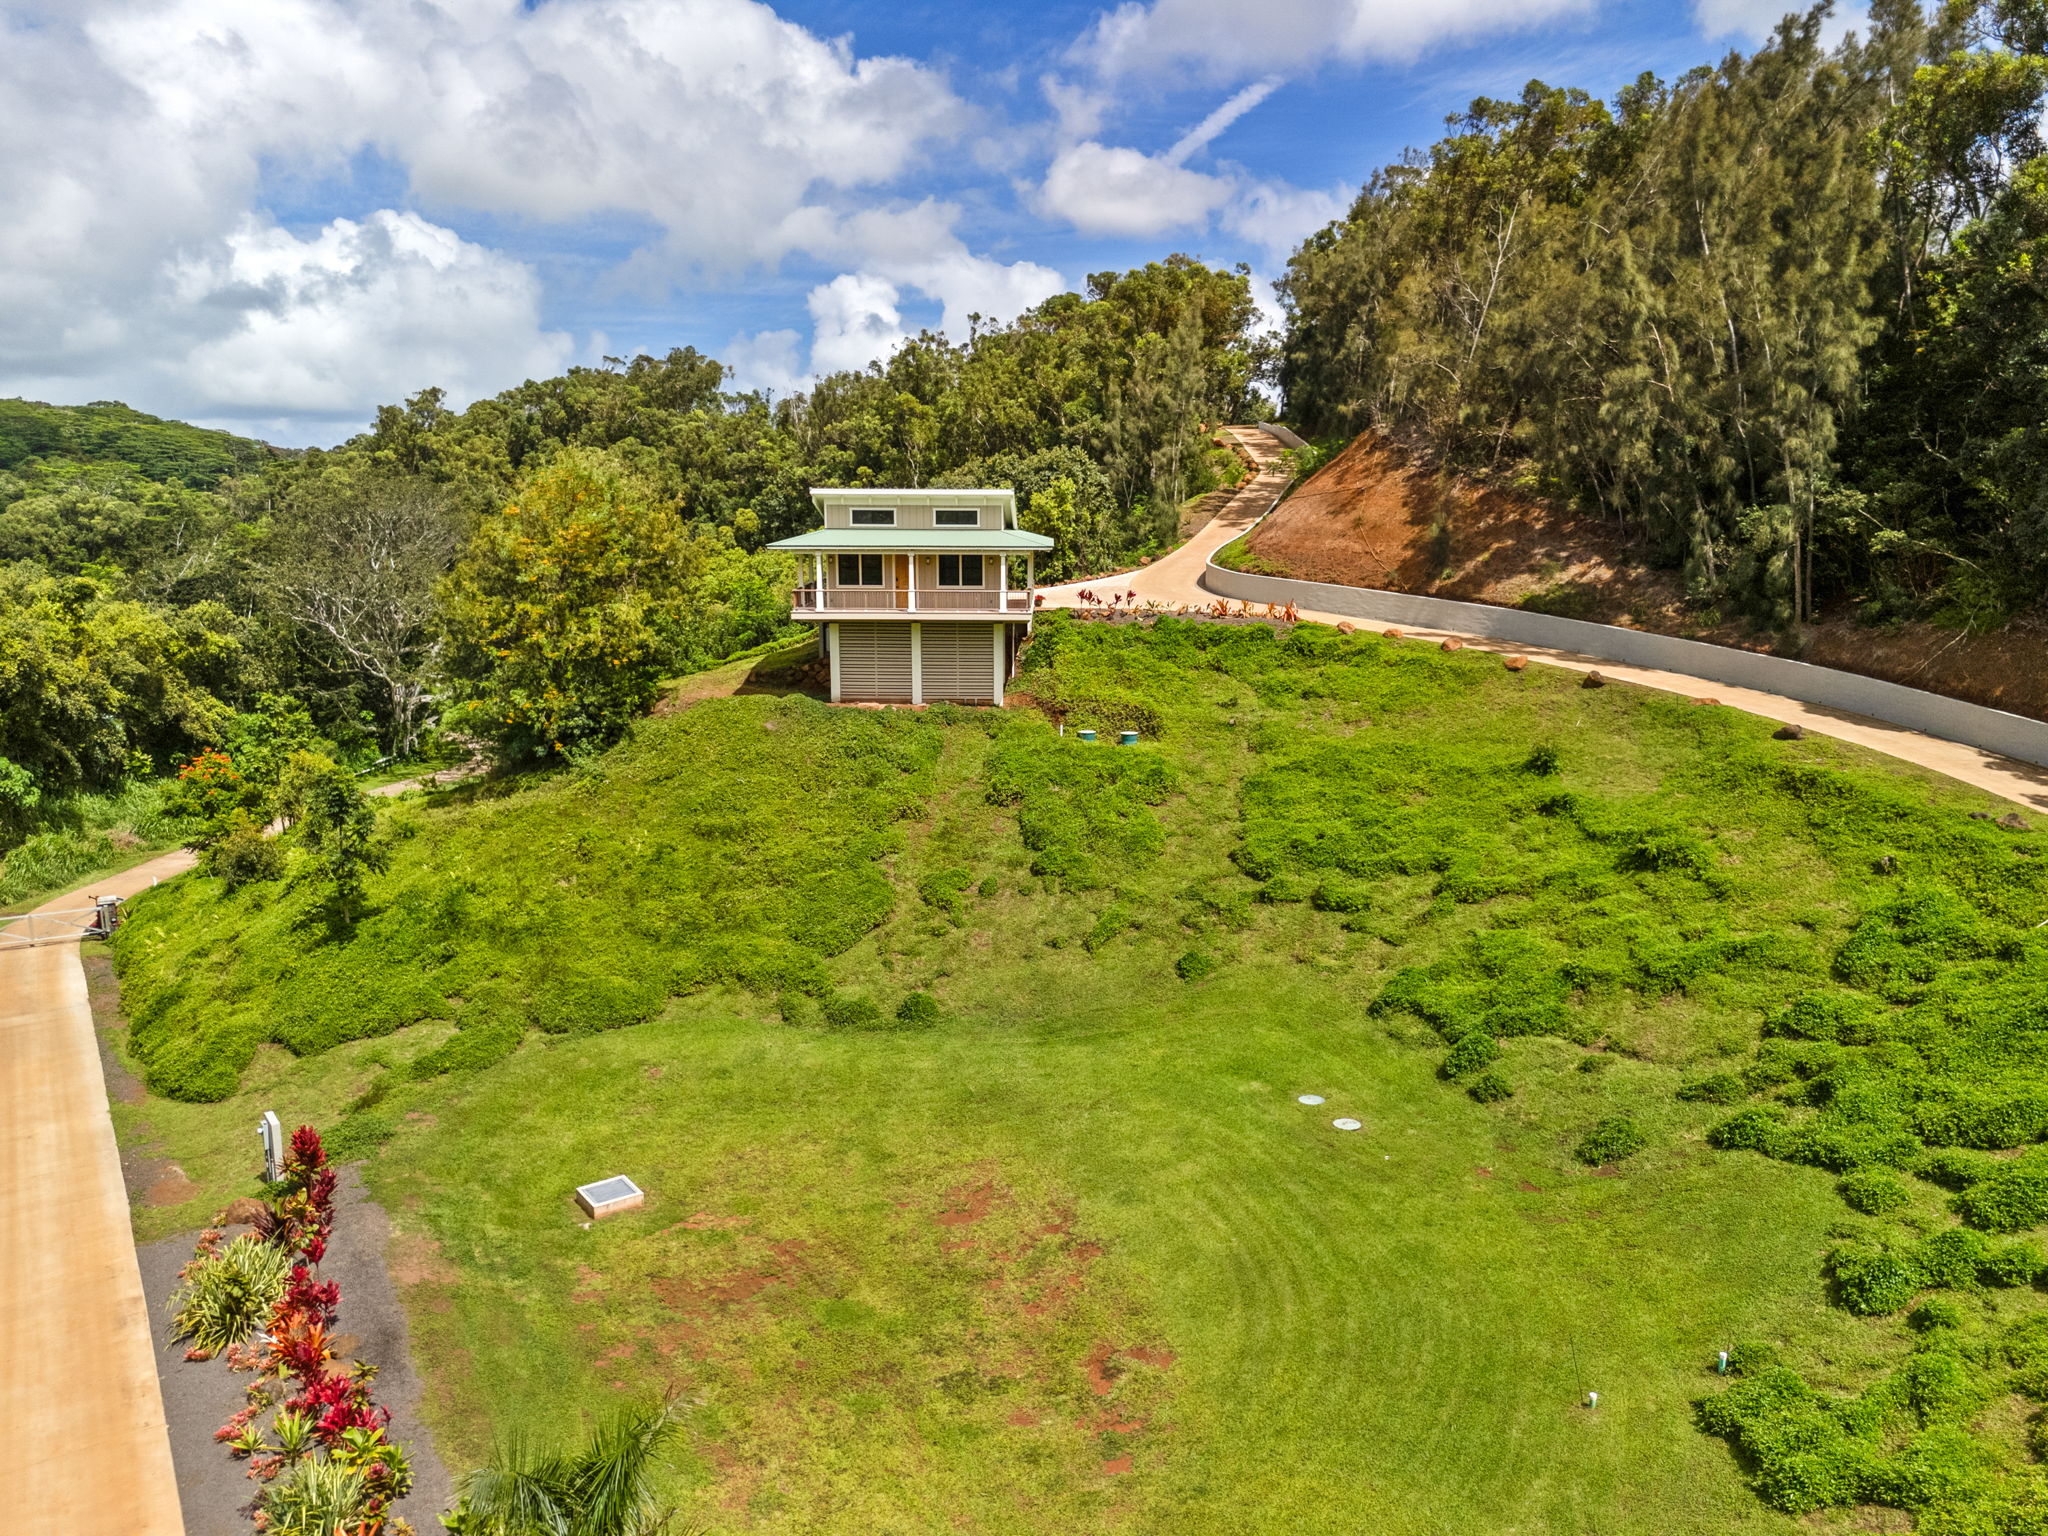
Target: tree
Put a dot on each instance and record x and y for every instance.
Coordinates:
(604, 1489)
(355, 558)
(554, 613)
(336, 825)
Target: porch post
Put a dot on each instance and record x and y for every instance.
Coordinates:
(916, 663)
(818, 566)
(1003, 596)
(911, 562)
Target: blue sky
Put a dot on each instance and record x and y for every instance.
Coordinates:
(274, 215)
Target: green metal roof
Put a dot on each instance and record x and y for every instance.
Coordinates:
(970, 540)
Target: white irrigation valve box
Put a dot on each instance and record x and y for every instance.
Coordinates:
(607, 1197)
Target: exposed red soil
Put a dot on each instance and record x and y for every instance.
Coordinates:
(1373, 517)
(1116, 1465)
(1103, 1367)
(966, 1204)
(704, 1221)
(1527, 1188)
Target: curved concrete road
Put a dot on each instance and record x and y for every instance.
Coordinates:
(78, 1387)
(1176, 580)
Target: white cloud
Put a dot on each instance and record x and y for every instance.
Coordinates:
(854, 321)
(141, 133)
(1103, 189)
(1220, 40)
(1278, 217)
(360, 311)
(1753, 20)
(766, 360)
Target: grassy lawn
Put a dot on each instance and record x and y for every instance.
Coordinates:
(1074, 1258)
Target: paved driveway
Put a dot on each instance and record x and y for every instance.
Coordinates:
(78, 1389)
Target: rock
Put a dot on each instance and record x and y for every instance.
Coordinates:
(1888, 865)
(245, 1212)
(1515, 663)
(1391, 634)
(1594, 680)
(2012, 821)
(1706, 701)
(1346, 627)
(1790, 733)
(1147, 560)
(1453, 644)
(1980, 816)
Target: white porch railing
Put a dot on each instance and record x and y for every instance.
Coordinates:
(811, 599)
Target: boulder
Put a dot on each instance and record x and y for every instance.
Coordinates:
(1706, 701)
(1453, 644)
(1391, 634)
(1594, 680)
(1515, 663)
(2013, 821)
(245, 1212)
(1346, 627)
(1790, 732)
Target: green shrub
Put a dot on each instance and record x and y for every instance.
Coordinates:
(1470, 1053)
(1954, 1170)
(1755, 1129)
(1990, 1121)
(1342, 896)
(1116, 918)
(942, 889)
(1543, 760)
(223, 1297)
(1284, 887)
(1490, 1087)
(1951, 1258)
(2012, 1199)
(469, 1050)
(1936, 1312)
(1873, 1191)
(1715, 1088)
(988, 887)
(1872, 1281)
(2016, 1263)
(1750, 1357)
(1670, 850)
(241, 855)
(1196, 965)
(852, 1010)
(918, 1010)
(1611, 1140)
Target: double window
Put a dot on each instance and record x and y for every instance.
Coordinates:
(955, 517)
(860, 570)
(874, 517)
(959, 570)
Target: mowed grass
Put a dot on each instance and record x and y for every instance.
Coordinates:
(1367, 1330)
(1074, 1258)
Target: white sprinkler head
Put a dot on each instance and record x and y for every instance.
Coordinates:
(1348, 1124)
(1310, 1098)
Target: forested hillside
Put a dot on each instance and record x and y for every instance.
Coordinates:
(1780, 317)
(521, 573)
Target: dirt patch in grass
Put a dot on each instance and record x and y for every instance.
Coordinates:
(171, 1187)
(415, 1259)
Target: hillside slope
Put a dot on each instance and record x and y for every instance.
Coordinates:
(967, 1085)
(171, 452)
(1372, 518)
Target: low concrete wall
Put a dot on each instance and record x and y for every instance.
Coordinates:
(1284, 436)
(1994, 730)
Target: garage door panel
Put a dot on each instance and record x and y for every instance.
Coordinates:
(874, 662)
(958, 663)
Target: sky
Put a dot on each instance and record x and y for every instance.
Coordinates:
(276, 215)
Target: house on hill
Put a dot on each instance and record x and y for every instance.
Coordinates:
(922, 595)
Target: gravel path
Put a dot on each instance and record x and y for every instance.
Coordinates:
(1175, 579)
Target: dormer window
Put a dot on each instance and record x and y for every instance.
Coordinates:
(956, 517)
(874, 517)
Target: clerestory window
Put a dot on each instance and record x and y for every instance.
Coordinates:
(956, 517)
(874, 517)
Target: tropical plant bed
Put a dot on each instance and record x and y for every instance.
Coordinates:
(1665, 1037)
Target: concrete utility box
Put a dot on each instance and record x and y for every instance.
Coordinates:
(607, 1197)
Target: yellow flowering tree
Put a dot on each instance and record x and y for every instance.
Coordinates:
(557, 612)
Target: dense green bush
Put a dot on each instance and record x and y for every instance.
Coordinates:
(1714, 1088)
(1873, 1191)
(2011, 1199)
(224, 1295)
(242, 854)
(1611, 1140)
(1490, 1087)
(918, 1010)
(1470, 1053)
(1871, 1281)
(1936, 1312)
(1195, 965)
(853, 1010)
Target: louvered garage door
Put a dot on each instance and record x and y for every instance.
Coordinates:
(959, 663)
(874, 662)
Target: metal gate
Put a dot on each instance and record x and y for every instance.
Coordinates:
(25, 930)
